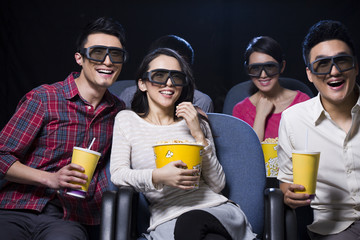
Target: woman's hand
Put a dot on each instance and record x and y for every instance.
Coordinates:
(187, 111)
(176, 174)
(293, 199)
(67, 177)
(264, 106)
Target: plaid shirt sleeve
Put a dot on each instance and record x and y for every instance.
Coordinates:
(20, 132)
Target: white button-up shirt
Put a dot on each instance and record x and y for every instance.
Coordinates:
(337, 202)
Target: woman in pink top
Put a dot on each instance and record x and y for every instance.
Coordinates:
(264, 62)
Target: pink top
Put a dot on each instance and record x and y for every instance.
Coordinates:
(246, 111)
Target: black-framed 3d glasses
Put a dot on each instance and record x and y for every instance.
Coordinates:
(161, 76)
(98, 53)
(270, 68)
(323, 66)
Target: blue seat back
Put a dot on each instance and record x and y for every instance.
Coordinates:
(117, 87)
(242, 90)
(239, 152)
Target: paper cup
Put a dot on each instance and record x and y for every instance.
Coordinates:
(305, 169)
(88, 159)
(271, 159)
(189, 153)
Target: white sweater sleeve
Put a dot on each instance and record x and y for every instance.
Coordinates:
(120, 165)
(212, 171)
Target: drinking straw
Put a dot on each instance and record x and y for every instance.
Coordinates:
(306, 139)
(91, 143)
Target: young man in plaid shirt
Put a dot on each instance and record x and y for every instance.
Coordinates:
(36, 145)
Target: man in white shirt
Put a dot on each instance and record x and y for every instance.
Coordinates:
(332, 121)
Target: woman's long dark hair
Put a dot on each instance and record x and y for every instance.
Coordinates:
(140, 103)
(267, 45)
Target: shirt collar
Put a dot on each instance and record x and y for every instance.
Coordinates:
(70, 88)
(320, 113)
(357, 105)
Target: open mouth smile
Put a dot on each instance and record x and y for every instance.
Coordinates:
(166, 92)
(265, 82)
(336, 83)
(105, 71)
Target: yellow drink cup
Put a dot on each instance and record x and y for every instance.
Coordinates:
(271, 159)
(305, 169)
(88, 159)
(189, 153)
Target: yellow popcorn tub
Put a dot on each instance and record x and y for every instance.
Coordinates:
(189, 153)
(270, 157)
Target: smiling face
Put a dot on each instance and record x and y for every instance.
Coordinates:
(162, 96)
(264, 83)
(336, 87)
(99, 74)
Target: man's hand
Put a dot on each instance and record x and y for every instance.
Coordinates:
(293, 199)
(64, 178)
(67, 177)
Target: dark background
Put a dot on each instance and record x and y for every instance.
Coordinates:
(37, 43)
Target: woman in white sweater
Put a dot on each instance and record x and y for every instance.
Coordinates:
(162, 110)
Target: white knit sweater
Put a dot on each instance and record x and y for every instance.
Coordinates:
(132, 162)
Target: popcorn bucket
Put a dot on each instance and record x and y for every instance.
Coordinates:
(271, 159)
(189, 153)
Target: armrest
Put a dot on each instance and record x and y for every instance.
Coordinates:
(291, 230)
(125, 217)
(274, 214)
(280, 220)
(107, 222)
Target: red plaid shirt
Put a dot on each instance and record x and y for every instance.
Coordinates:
(49, 121)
